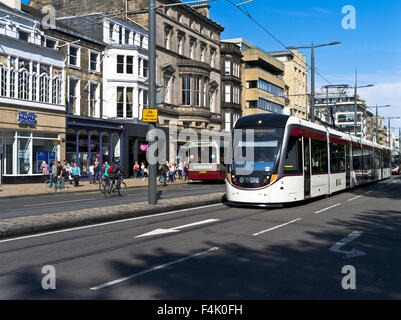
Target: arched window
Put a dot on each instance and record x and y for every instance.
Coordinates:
(3, 80)
(44, 82)
(56, 90)
(23, 84)
(34, 86)
(13, 76)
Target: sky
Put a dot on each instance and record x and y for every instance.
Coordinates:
(372, 48)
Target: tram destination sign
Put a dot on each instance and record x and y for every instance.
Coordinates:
(26, 118)
(149, 115)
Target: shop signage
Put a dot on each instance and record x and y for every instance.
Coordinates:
(149, 115)
(144, 147)
(26, 118)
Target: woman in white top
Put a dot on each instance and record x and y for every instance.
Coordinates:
(91, 173)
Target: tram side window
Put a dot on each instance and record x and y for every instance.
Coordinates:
(386, 160)
(367, 159)
(357, 158)
(293, 158)
(377, 160)
(319, 157)
(337, 158)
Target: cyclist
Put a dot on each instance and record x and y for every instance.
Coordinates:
(115, 174)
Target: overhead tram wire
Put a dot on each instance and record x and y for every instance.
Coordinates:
(272, 35)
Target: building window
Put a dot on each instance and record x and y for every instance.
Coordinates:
(111, 29)
(120, 64)
(23, 85)
(93, 99)
(166, 89)
(3, 79)
(130, 64)
(120, 35)
(186, 90)
(180, 44)
(13, 77)
(141, 38)
(145, 68)
(228, 121)
(56, 92)
(73, 96)
(120, 102)
(94, 61)
(145, 98)
(167, 37)
(129, 102)
(203, 53)
(22, 35)
(196, 91)
(44, 84)
(227, 93)
(213, 58)
(127, 36)
(74, 56)
(140, 65)
(192, 49)
(227, 67)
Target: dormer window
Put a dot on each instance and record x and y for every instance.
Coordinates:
(22, 35)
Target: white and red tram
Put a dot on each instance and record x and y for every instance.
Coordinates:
(296, 160)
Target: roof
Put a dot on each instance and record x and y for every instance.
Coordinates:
(59, 25)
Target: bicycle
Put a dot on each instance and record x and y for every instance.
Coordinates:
(119, 186)
(54, 184)
(103, 184)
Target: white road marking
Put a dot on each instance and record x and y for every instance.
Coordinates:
(354, 198)
(58, 202)
(108, 223)
(369, 192)
(176, 229)
(135, 275)
(336, 205)
(277, 227)
(348, 254)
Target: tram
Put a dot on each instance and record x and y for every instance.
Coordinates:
(206, 161)
(295, 160)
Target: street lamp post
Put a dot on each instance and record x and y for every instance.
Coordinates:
(312, 47)
(356, 98)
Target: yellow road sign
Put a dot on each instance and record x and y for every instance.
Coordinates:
(149, 115)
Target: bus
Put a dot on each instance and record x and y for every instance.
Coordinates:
(294, 160)
(206, 161)
(395, 163)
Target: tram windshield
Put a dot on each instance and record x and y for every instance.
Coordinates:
(259, 155)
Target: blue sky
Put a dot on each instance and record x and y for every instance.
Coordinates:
(373, 47)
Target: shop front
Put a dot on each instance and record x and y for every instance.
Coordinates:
(27, 139)
(93, 140)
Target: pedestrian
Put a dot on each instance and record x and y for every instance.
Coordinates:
(45, 170)
(76, 173)
(97, 172)
(143, 170)
(91, 172)
(185, 171)
(53, 173)
(180, 169)
(165, 172)
(136, 170)
(60, 172)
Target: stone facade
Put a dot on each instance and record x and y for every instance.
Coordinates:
(231, 84)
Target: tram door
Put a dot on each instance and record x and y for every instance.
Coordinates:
(307, 168)
(348, 165)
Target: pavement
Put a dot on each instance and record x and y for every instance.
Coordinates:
(216, 252)
(13, 191)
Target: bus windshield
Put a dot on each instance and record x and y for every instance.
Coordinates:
(206, 153)
(264, 147)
